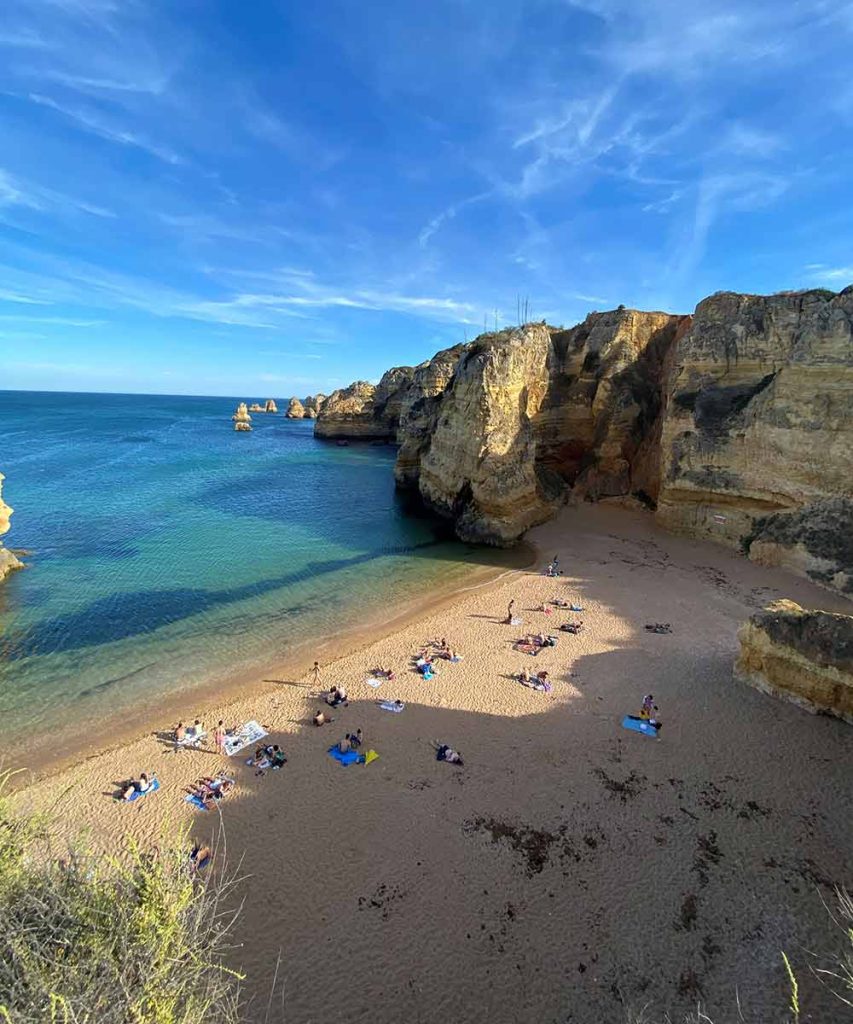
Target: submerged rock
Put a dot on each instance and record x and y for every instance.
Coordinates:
(802, 656)
(8, 561)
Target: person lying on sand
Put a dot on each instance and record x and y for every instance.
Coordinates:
(262, 753)
(337, 696)
(209, 790)
(445, 753)
(546, 608)
(320, 718)
(140, 785)
(199, 856)
(572, 627)
(383, 673)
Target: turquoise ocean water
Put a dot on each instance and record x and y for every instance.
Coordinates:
(166, 550)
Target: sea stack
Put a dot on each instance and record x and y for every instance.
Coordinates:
(242, 419)
(270, 406)
(8, 561)
(295, 410)
(256, 407)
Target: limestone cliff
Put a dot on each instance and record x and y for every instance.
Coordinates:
(759, 425)
(419, 412)
(8, 561)
(534, 414)
(365, 411)
(803, 656)
(295, 410)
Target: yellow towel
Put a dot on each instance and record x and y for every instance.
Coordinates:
(371, 755)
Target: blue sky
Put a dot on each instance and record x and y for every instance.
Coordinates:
(267, 198)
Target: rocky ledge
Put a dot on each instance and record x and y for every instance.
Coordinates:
(802, 656)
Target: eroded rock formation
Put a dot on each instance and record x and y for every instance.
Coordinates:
(8, 561)
(255, 407)
(270, 406)
(295, 410)
(419, 412)
(759, 425)
(313, 404)
(533, 414)
(242, 419)
(365, 411)
(803, 656)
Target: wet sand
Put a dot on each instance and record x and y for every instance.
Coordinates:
(572, 869)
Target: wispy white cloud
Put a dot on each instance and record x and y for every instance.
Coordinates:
(26, 300)
(830, 275)
(15, 192)
(62, 321)
(94, 123)
(449, 213)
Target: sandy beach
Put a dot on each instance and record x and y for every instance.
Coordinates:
(572, 870)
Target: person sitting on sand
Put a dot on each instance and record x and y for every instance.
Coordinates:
(278, 757)
(345, 745)
(261, 754)
(648, 707)
(321, 719)
(356, 739)
(524, 677)
(445, 753)
(542, 681)
(140, 785)
(337, 695)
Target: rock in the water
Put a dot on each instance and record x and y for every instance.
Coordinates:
(759, 417)
(8, 561)
(242, 426)
(295, 410)
(241, 414)
(256, 407)
(270, 406)
(803, 656)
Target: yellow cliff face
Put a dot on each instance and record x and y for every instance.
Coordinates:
(8, 561)
(295, 410)
(759, 424)
(803, 656)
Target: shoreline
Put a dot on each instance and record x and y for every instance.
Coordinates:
(558, 826)
(69, 750)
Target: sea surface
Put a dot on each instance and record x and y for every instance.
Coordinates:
(166, 551)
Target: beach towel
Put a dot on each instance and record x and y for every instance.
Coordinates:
(427, 675)
(197, 801)
(370, 756)
(389, 705)
(638, 725)
(192, 739)
(137, 795)
(350, 757)
(575, 608)
(515, 621)
(374, 682)
(263, 763)
(455, 658)
(530, 649)
(245, 736)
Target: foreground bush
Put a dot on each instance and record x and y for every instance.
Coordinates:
(86, 940)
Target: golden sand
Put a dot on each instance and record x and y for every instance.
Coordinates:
(571, 869)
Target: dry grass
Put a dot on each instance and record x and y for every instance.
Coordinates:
(90, 940)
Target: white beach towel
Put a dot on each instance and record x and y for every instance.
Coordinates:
(389, 705)
(374, 682)
(245, 736)
(192, 739)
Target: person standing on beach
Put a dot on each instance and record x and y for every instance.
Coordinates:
(315, 673)
(509, 609)
(219, 737)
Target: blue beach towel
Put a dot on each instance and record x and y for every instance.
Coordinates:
(350, 757)
(136, 795)
(197, 801)
(638, 725)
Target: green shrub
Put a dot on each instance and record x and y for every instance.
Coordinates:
(95, 940)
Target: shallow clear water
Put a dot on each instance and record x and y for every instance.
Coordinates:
(166, 550)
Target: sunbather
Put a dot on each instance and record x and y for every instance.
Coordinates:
(321, 719)
(277, 757)
(356, 739)
(337, 696)
(445, 753)
(345, 745)
(140, 785)
(199, 856)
